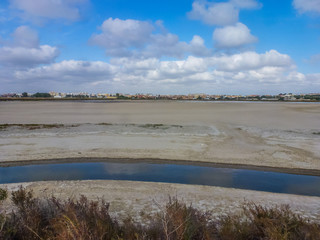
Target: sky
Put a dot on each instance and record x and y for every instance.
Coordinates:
(160, 47)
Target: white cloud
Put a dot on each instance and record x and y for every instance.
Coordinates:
(26, 57)
(74, 71)
(248, 4)
(49, 9)
(133, 38)
(169, 45)
(24, 36)
(240, 71)
(165, 45)
(297, 77)
(177, 69)
(313, 78)
(223, 13)
(128, 64)
(233, 36)
(304, 6)
(197, 47)
(24, 50)
(220, 13)
(251, 61)
(119, 35)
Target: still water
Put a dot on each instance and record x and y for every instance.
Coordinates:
(169, 173)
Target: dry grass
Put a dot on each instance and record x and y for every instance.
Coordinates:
(258, 222)
(104, 124)
(35, 126)
(52, 218)
(31, 126)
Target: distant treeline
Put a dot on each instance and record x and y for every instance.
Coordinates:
(40, 95)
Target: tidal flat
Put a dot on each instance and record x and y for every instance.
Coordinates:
(280, 135)
(283, 135)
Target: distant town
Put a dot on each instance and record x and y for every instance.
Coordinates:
(138, 96)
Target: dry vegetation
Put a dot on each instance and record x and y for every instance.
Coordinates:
(35, 126)
(31, 126)
(51, 218)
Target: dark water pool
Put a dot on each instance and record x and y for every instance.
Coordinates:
(170, 173)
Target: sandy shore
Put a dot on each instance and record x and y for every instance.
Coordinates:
(284, 135)
(137, 199)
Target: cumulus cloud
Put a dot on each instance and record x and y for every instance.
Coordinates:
(24, 36)
(197, 47)
(165, 45)
(24, 50)
(247, 4)
(222, 13)
(74, 71)
(134, 38)
(304, 6)
(251, 61)
(177, 70)
(118, 35)
(220, 71)
(26, 57)
(313, 78)
(233, 36)
(170, 45)
(297, 77)
(49, 9)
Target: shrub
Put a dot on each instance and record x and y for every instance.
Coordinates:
(258, 222)
(179, 221)
(3, 194)
(84, 219)
(51, 218)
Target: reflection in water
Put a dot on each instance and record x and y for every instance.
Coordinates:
(304, 186)
(171, 173)
(116, 168)
(220, 176)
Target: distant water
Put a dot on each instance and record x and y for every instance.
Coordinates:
(169, 173)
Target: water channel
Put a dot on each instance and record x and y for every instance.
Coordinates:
(169, 173)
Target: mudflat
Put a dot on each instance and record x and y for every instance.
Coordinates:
(271, 134)
(277, 115)
(252, 134)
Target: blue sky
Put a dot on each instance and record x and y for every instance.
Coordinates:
(160, 47)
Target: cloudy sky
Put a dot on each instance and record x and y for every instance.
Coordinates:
(160, 47)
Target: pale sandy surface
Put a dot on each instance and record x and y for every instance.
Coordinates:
(138, 199)
(265, 134)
